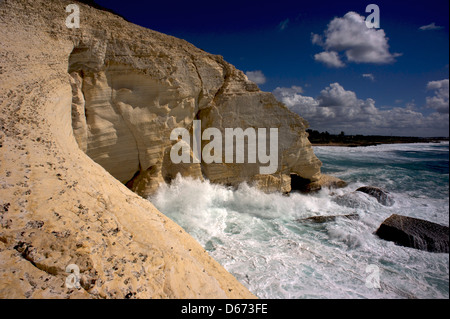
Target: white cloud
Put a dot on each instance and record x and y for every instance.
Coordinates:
(256, 76)
(336, 95)
(431, 26)
(337, 109)
(331, 59)
(360, 44)
(440, 100)
(289, 91)
(283, 24)
(316, 39)
(369, 76)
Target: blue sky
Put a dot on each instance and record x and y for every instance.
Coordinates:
(321, 61)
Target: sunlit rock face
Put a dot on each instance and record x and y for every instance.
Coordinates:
(101, 90)
(128, 96)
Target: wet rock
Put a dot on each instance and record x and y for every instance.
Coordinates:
(307, 186)
(382, 196)
(356, 200)
(324, 219)
(415, 233)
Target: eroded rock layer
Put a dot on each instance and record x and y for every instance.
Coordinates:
(111, 90)
(132, 86)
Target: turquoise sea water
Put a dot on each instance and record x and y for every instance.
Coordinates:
(258, 238)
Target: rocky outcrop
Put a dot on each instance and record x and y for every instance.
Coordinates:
(304, 185)
(415, 233)
(111, 90)
(381, 195)
(132, 86)
(328, 218)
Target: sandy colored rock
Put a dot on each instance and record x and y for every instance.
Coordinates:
(324, 181)
(59, 207)
(132, 86)
(328, 181)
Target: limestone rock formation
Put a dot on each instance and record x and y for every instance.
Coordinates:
(111, 90)
(307, 186)
(416, 233)
(128, 95)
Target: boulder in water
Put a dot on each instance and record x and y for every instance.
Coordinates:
(324, 219)
(307, 186)
(382, 196)
(354, 200)
(415, 233)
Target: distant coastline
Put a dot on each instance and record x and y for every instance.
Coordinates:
(326, 139)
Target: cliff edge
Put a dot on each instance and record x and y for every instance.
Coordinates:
(114, 91)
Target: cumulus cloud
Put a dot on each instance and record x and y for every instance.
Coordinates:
(336, 109)
(256, 76)
(358, 43)
(431, 26)
(440, 100)
(331, 59)
(334, 106)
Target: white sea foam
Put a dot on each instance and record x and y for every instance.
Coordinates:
(258, 237)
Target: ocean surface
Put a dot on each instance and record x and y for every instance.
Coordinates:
(258, 238)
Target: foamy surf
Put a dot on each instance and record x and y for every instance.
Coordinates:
(258, 237)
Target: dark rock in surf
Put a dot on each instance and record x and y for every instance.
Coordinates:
(354, 200)
(324, 219)
(303, 185)
(382, 196)
(415, 233)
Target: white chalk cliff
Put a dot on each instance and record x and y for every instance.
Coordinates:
(85, 111)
